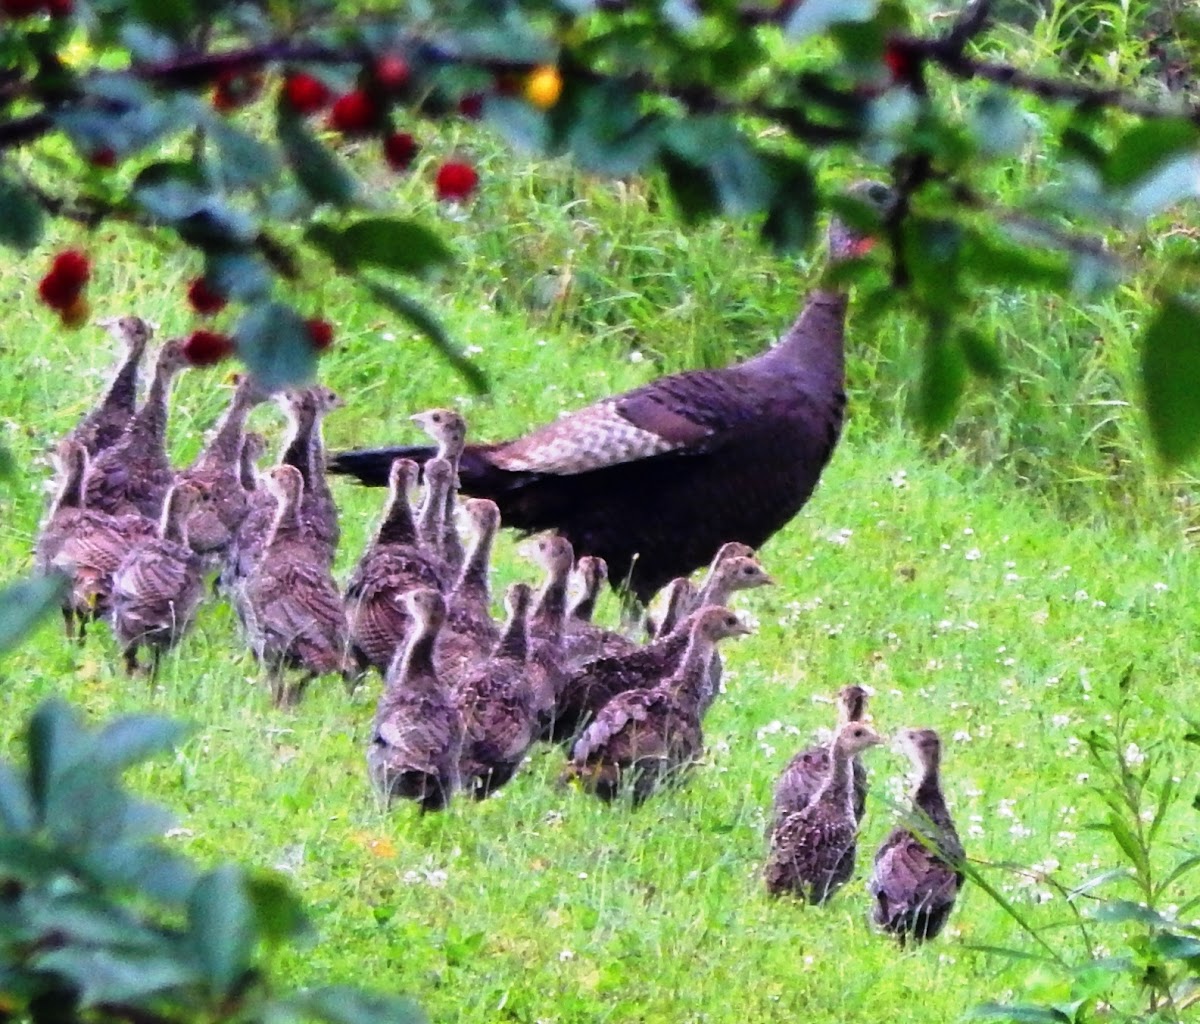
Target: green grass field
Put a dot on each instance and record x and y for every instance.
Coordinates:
(993, 584)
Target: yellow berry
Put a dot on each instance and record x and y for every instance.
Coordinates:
(543, 87)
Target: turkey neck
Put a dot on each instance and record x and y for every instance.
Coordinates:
(927, 798)
(473, 582)
(690, 677)
(813, 347)
(150, 424)
(416, 671)
(225, 448)
(397, 525)
(514, 641)
(314, 478)
(296, 452)
(173, 526)
(836, 787)
(286, 524)
(429, 528)
(551, 605)
(585, 607)
(122, 392)
(70, 491)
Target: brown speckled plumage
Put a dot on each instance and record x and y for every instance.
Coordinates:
(498, 705)
(586, 691)
(417, 737)
(643, 737)
(811, 852)
(105, 424)
(391, 566)
(656, 479)
(217, 470)
(806, 771)
(158, 585)
(914, 883)
(289, 604)
(582, 639)
(133, 475)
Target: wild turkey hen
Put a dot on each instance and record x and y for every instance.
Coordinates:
(655, 480)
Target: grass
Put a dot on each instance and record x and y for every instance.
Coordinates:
(993, 585)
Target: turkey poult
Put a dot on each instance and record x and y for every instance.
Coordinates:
(391, 566)
(644, 737)
(289, 604)
(449, 430)
(586, 691)
(547, 668)
(254, 446)
(806, 772)
(469, 603)
(86, 545)
(417, 739)
(499, 708)
(582, 639)
(103, 426)
(133, 475)
(217, 470)
(159, 584)
(915, 880)
(812, 851)
(656, 479)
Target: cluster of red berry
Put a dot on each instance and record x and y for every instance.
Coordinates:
(26, 8)
(62, 287)
(363, 111)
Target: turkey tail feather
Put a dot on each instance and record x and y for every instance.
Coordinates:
(372, 465)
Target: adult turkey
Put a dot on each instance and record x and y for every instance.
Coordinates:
(655, 480)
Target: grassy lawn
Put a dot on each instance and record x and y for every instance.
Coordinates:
(993, 585)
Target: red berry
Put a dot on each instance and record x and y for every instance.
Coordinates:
(391, 72)
(320, 332)
(60, 8)
(471, 106)
(305, 94)
(104, 156)
(207, 348)
(20, 8)
(353, 113)
(899, 61)
(399, 150)
(76, 314)
(455, 180)
(205, 299)
(62, 285)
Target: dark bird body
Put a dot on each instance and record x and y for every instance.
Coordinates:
(655, 480)
(643, 738)
(812, 851)
(103, 426)
(914, 883)
(417, 738)
(498, 706)
(805, 773)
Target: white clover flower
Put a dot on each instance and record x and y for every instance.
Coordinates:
(1161, 587)
(1020, 831)
(968, 531)
(962, 736)
(474, 350)
(1060, 721)
(899, 479)
(566, 954)
(1133, 754)
(636, 357)
(840, 537)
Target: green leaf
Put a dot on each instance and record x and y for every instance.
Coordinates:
(1144, 147)
(23, 603)
(1127, 910)
(238, 273)
(21, 219)
(522, 126)
(1128, 842)
(389, 242)
(16, 808)
(222, 926)
(420, 318)
(1174, 946)
(171, 16)
(604, 128)
(8, 465)
(133, 739)
(1170, 368)
(982, 354)
(340, 1004)
(791, 216)
(1008, 954)
(278, 912)
(55, 741)
(1023, 1013)
(999, 124)
(244, 160)
(115, 976)
(815, 16)
(713, 147)
(274, 343)
(319, 172)
(943, 377)
(1170, 182)
(1184, 867)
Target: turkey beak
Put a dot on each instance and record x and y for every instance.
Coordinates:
(768, 580)
(743, 630)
